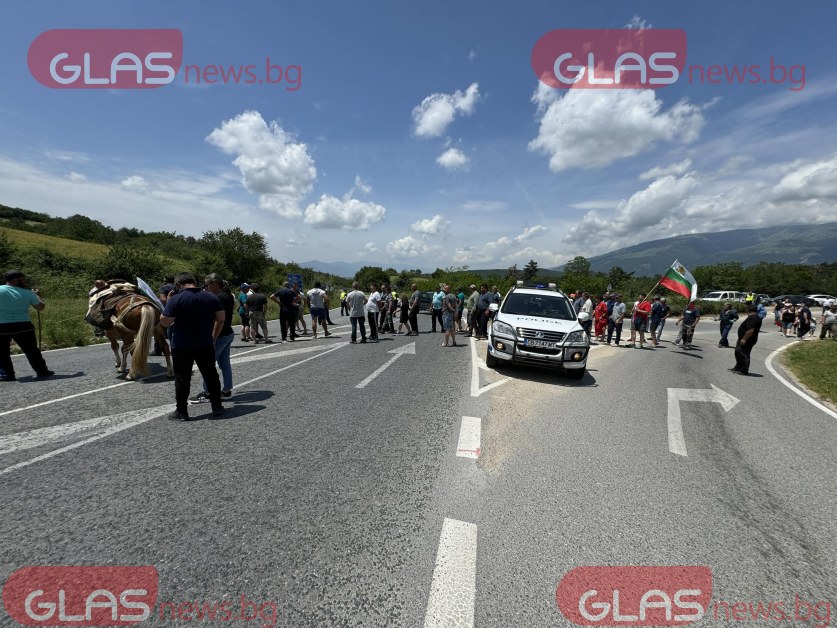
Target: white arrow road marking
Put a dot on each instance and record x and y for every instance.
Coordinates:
(101, 427)
(451, 602)
(469, 438)
(279, 354)
(676, 441)
(476, 391)
(406, 349)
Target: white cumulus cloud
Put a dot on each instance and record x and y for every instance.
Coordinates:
(272, 164)
(75, 177)
(809, 181)
(431, 226)
(681, 167)
(135, 183)
(437, 111)
(410, 247)
(334, 213)
(453, 159)
(592, 128)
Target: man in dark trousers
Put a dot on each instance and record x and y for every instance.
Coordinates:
(748, 336)
(196, 317)
(288, 301)
(15, 300)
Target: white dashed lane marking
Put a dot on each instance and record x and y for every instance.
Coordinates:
(452, 590)
(469, 437)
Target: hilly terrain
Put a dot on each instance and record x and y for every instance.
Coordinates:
(799, 244)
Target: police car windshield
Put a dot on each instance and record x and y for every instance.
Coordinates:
(543, 305)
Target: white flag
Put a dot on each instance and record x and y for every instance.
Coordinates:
(149, 292)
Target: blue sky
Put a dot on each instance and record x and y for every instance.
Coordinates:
(419, 137)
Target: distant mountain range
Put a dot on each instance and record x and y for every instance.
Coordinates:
(800, 244)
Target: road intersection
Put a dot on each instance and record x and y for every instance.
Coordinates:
(406, 484)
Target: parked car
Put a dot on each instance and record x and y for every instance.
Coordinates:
(426, 302)
(796, 299)
(820, 298)
(722, 295)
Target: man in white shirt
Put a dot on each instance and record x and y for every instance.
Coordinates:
(587, 306)
(316, 303)
(355, 301)
(372, 309)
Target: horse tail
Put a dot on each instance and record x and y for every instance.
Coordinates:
(142, 341)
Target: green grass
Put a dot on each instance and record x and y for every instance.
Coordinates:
(813, 363)
(72, 248)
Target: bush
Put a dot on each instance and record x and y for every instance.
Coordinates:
(128, 263)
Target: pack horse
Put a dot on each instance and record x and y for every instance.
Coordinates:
(124, 313)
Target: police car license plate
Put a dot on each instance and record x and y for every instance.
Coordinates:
(539, 344)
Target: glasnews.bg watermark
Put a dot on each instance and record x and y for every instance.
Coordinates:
(670, 596)
(641, 59)
(138, 59)
(116, 596)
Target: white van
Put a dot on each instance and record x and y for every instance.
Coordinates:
(723, 295)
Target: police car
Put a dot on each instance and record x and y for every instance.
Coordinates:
(537, 325)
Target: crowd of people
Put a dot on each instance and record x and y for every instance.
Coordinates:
(199, 322)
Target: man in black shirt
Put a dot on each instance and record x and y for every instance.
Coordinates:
(196, 318)
(288, 302)
(748, 336)
(257, 306)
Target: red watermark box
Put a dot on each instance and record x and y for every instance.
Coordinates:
(81, 596)
(106, 58)
(635, 596)
(610, 58)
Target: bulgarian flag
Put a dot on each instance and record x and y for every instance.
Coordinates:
(680, 281)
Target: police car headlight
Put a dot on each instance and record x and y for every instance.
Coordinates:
(502, 329)
(577, 337)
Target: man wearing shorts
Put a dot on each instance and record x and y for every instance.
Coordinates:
(449, 306)
(316, 303)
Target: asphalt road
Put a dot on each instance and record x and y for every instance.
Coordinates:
(379, 506)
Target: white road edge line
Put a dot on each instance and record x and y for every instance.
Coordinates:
(235, 360)
(452, 590)
(768, 362)
(469, 438)
(81, 394)
(153, 414)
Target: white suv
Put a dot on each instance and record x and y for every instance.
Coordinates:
(536, 325)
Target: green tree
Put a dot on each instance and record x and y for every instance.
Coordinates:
(244, 255)
(578, 265)
(617, 276)
(404, 279)
(371, 274)
(512, 272)
(128, 263)
(532, 269)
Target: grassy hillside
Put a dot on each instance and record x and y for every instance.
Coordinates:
(64, 246)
